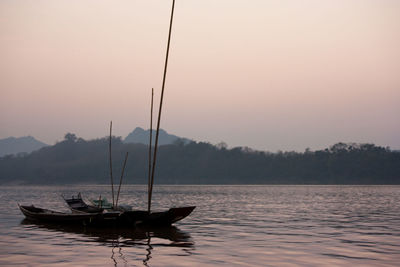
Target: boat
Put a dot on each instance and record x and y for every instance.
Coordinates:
(45, 215)
(125, 218)
(129, 217)
(76, 204)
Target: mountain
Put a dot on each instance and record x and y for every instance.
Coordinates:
(26, 144)
(141, 136)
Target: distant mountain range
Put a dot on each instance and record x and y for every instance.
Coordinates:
(13, 145)
(141, 136)
(28, 144)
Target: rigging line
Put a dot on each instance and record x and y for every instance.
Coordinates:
(120, 181)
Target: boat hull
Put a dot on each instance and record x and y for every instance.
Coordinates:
(45, 215)
(163, 218)
(127, 218)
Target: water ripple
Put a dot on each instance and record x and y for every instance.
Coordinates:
(231, 226)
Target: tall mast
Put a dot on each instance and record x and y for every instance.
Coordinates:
(150, 141)
(111, 174)
(159, 111)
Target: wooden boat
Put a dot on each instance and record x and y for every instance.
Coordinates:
(45, 215)
(127, 218)
(133, 217)
(76, 204)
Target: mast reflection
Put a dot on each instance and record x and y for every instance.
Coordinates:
(120, 240)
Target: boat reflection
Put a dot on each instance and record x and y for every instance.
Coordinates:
(121, 240)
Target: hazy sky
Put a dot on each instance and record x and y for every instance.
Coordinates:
(271, 75)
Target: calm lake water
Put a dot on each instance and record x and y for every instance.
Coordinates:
(231, 226)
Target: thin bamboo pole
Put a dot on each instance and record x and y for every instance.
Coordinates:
(120, 180)
(159, 111)
(150, 142)
(100, 205)
(111, 173)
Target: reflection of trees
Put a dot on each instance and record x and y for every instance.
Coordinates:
(121, 239)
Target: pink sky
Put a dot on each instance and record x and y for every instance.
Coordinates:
(272, 75)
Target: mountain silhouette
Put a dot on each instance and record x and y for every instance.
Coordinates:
(13, 145)
(141, 136)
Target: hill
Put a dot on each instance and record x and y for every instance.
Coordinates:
(75, 160)
(26, 144)
(142, 136)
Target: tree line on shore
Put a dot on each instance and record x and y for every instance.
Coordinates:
(75, 160)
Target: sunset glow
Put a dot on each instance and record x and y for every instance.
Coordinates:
(272, 75)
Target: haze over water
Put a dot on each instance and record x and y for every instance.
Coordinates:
(231, 226)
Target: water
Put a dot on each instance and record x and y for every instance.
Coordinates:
(231, 226)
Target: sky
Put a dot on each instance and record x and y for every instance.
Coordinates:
(268, 74)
